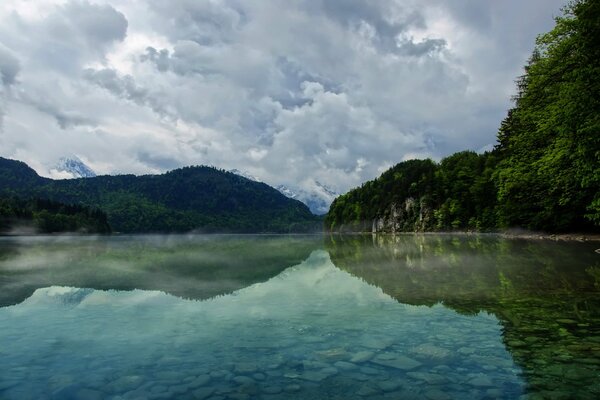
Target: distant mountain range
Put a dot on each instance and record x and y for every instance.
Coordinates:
(318, 199)
(192, 198)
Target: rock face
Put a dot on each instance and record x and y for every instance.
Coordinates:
(410, 216)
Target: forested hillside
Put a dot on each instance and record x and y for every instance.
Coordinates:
(191, 198)
(44, 216)
(544, 173)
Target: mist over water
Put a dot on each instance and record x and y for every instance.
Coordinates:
(353, 317)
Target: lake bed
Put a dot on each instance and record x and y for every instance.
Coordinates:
(269, 317)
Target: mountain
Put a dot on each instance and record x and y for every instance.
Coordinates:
(318, 199)
(544, 172)
(244, 174)
(74, 167)
(191, 198)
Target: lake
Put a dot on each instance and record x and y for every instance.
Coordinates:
(298, 317)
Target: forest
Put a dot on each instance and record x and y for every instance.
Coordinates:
(544, 172)
(201, 198)
(45, 216)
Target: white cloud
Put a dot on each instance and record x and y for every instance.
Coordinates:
(291, 92)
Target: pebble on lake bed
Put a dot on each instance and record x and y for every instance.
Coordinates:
(399, 362)
(362, 356)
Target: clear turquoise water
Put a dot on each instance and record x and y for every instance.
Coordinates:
(268, 317)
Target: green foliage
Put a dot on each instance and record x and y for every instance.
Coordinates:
(457, 193)
(45, 216)
(186, 199)
(549, 177)
(544, 173)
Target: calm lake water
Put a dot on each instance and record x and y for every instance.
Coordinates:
(298, 317)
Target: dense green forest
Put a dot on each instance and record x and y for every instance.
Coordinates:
(543, 174)
(192, 198)
(45, 216)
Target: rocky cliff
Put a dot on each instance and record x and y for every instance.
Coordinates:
(409, 216)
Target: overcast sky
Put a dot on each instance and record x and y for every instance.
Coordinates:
(290, 91)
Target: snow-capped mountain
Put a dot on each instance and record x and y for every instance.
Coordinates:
(318, 199)
(73, 167)
(244, 174)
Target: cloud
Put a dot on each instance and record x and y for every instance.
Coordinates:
(9, 68)
(124, 87)
(290, 92)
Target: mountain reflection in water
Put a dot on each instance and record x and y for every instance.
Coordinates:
(544, 293)
(433, 316)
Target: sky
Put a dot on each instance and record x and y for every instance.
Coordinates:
(289, 91)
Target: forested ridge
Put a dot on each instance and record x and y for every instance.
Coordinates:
(45, 216)
(191, 198)
(544, 172)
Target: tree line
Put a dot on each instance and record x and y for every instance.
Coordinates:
(45, 216)
(199, 198)
(544, 172)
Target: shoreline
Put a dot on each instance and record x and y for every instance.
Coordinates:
(571, 237)
(578, 237)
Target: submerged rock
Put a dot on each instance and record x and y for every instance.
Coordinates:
(368, 390)
(259, 376)
(318, 376)
(199, 381)
(362, 356)
(292, 388)
(428, 350)
(179, 389)
(126, 383)
(245, 368)
(388, 386)
(400, 362)
(203, 393)
(481, 381)
(437, 394)
(432, 379)
(344, 365)
(243, 380)
(272, 389)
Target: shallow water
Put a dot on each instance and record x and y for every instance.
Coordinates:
(273, 317)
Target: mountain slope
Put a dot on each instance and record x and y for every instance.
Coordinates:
(318, 199)
(191, 198)
(74, 167)
(543, 174)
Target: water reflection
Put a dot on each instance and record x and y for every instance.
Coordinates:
(545, 293)
(194, 267)
(435, 317)
(312, 331)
